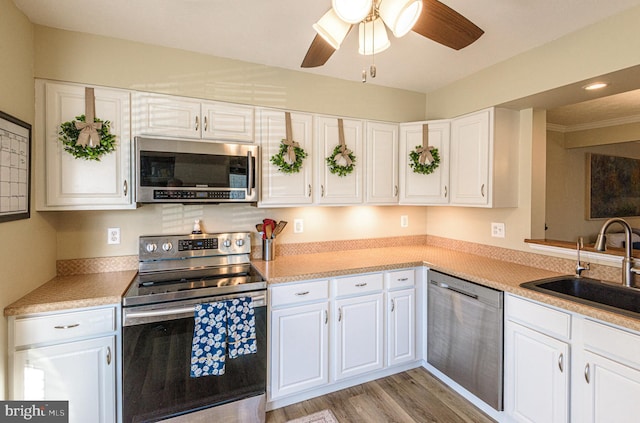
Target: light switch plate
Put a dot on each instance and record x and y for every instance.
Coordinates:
(298, 226)
(404, 221)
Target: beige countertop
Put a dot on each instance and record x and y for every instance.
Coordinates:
(66, 292)
(498, 274)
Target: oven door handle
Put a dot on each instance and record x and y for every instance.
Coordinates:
(177, 312)
(163, 312)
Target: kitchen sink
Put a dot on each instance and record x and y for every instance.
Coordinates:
(615, 298)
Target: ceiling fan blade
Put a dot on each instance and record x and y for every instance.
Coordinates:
(319, 52)
(444, 25)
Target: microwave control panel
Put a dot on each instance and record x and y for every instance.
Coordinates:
(159, 194)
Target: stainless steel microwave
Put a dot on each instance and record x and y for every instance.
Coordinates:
(181, 171)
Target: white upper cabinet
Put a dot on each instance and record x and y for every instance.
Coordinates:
(69, 183)
(332, 189)
(182, 117)
(280, 188)
(484, 159)
(418, 188)
(382, 163)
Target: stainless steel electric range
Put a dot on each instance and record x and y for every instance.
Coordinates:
(176, 273)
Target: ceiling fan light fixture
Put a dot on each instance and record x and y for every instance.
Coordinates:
(372, 37)
(352, 11)
(400, 15)
(332, 29)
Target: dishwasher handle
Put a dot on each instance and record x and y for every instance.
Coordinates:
(454, 289)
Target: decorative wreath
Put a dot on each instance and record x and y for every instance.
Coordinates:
(69, 136)
(341, 170)
(424, 169)
(282, 164)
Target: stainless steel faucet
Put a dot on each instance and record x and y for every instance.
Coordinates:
(628, 269)
(579, 266)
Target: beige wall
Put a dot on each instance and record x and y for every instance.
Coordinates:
(84, 234)
(27, 247)
(117, 63)
(602, 48)
(566, 187)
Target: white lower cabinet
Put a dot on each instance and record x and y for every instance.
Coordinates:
(565, 367)
(538, 367)
(609, 375)
(300, 357)
(299, 337)
(327, 335)
(59, 358)
(358, 335)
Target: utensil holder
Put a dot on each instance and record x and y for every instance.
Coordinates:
(268, 249)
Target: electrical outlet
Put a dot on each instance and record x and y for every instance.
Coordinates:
(298, 226)
(404, 221)
(113, 236)
(497, 230)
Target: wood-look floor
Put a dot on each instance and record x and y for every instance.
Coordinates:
(408, 397)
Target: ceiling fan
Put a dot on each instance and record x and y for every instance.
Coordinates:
(429, 18)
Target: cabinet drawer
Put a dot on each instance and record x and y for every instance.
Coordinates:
(299, 293)
(539, 317)
(617, 344)
(63, 326)
(400, 279)
(360, 284)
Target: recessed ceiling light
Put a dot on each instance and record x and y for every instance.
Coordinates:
(595, 86)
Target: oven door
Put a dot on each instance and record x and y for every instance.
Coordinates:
(157, 343)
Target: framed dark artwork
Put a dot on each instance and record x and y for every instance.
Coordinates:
(613, 186)
(15, 168)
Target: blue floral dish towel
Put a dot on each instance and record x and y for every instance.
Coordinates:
(222, 328)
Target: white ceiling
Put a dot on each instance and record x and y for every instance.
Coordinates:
(278, 32)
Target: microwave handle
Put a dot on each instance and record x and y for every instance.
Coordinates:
(249, 174)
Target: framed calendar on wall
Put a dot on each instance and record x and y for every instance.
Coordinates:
(15, 168)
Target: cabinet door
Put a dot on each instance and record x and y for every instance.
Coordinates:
(536, 376)
(470, 155)
(223, 121)
(358, 335)
(401, 331)
(279, 188)
(382, 163)
(167, 116)
(72, 183)
(334, 189)
(612, 390)
(417, 188)
(299, 349)
(82, 373)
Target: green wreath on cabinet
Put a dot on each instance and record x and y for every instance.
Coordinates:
(70, 133)
(289, 157)
(342, 161)
(424, 168)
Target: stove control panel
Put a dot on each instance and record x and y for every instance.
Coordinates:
(195, 245)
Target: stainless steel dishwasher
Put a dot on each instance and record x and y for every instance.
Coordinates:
(465, 335)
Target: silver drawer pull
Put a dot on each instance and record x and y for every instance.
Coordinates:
(326, 317)
(75, 325)
(393, 305)
(108, 356)
(361, 284)
(402, 279)
(300, 294)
